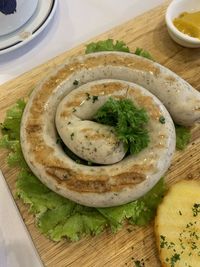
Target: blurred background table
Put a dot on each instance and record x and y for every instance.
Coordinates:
(75, 21)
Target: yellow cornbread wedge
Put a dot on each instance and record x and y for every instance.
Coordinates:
(177, 225)
(189, 23)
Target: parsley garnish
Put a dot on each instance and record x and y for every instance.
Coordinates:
(129, 121)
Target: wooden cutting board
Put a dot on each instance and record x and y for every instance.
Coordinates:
(131, 243)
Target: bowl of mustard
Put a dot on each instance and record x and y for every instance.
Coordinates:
(183, 22)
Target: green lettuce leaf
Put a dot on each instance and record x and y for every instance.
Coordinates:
(143, 53)
(77, 226)
(106, 45)
(183, 137)
(10, 126)
(139, 212)
(111, 45)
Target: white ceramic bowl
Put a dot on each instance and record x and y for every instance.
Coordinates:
(11, 22)
(173, 11)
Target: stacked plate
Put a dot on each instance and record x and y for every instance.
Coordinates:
(22, 20)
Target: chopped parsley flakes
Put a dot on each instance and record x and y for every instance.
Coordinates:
(94, 98)
(162, 119)
(196, 209)
(75, 82)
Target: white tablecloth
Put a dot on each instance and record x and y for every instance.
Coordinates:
(75, 21)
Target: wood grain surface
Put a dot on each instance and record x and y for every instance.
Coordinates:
(131, 243)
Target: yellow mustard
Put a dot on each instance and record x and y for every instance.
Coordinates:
(189, 23)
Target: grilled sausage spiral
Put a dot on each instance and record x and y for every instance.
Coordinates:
(55, 104)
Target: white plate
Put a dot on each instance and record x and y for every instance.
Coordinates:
(13, 21)
(39, 20)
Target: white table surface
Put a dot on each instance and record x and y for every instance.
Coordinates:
(16, 246)
(75, 21)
